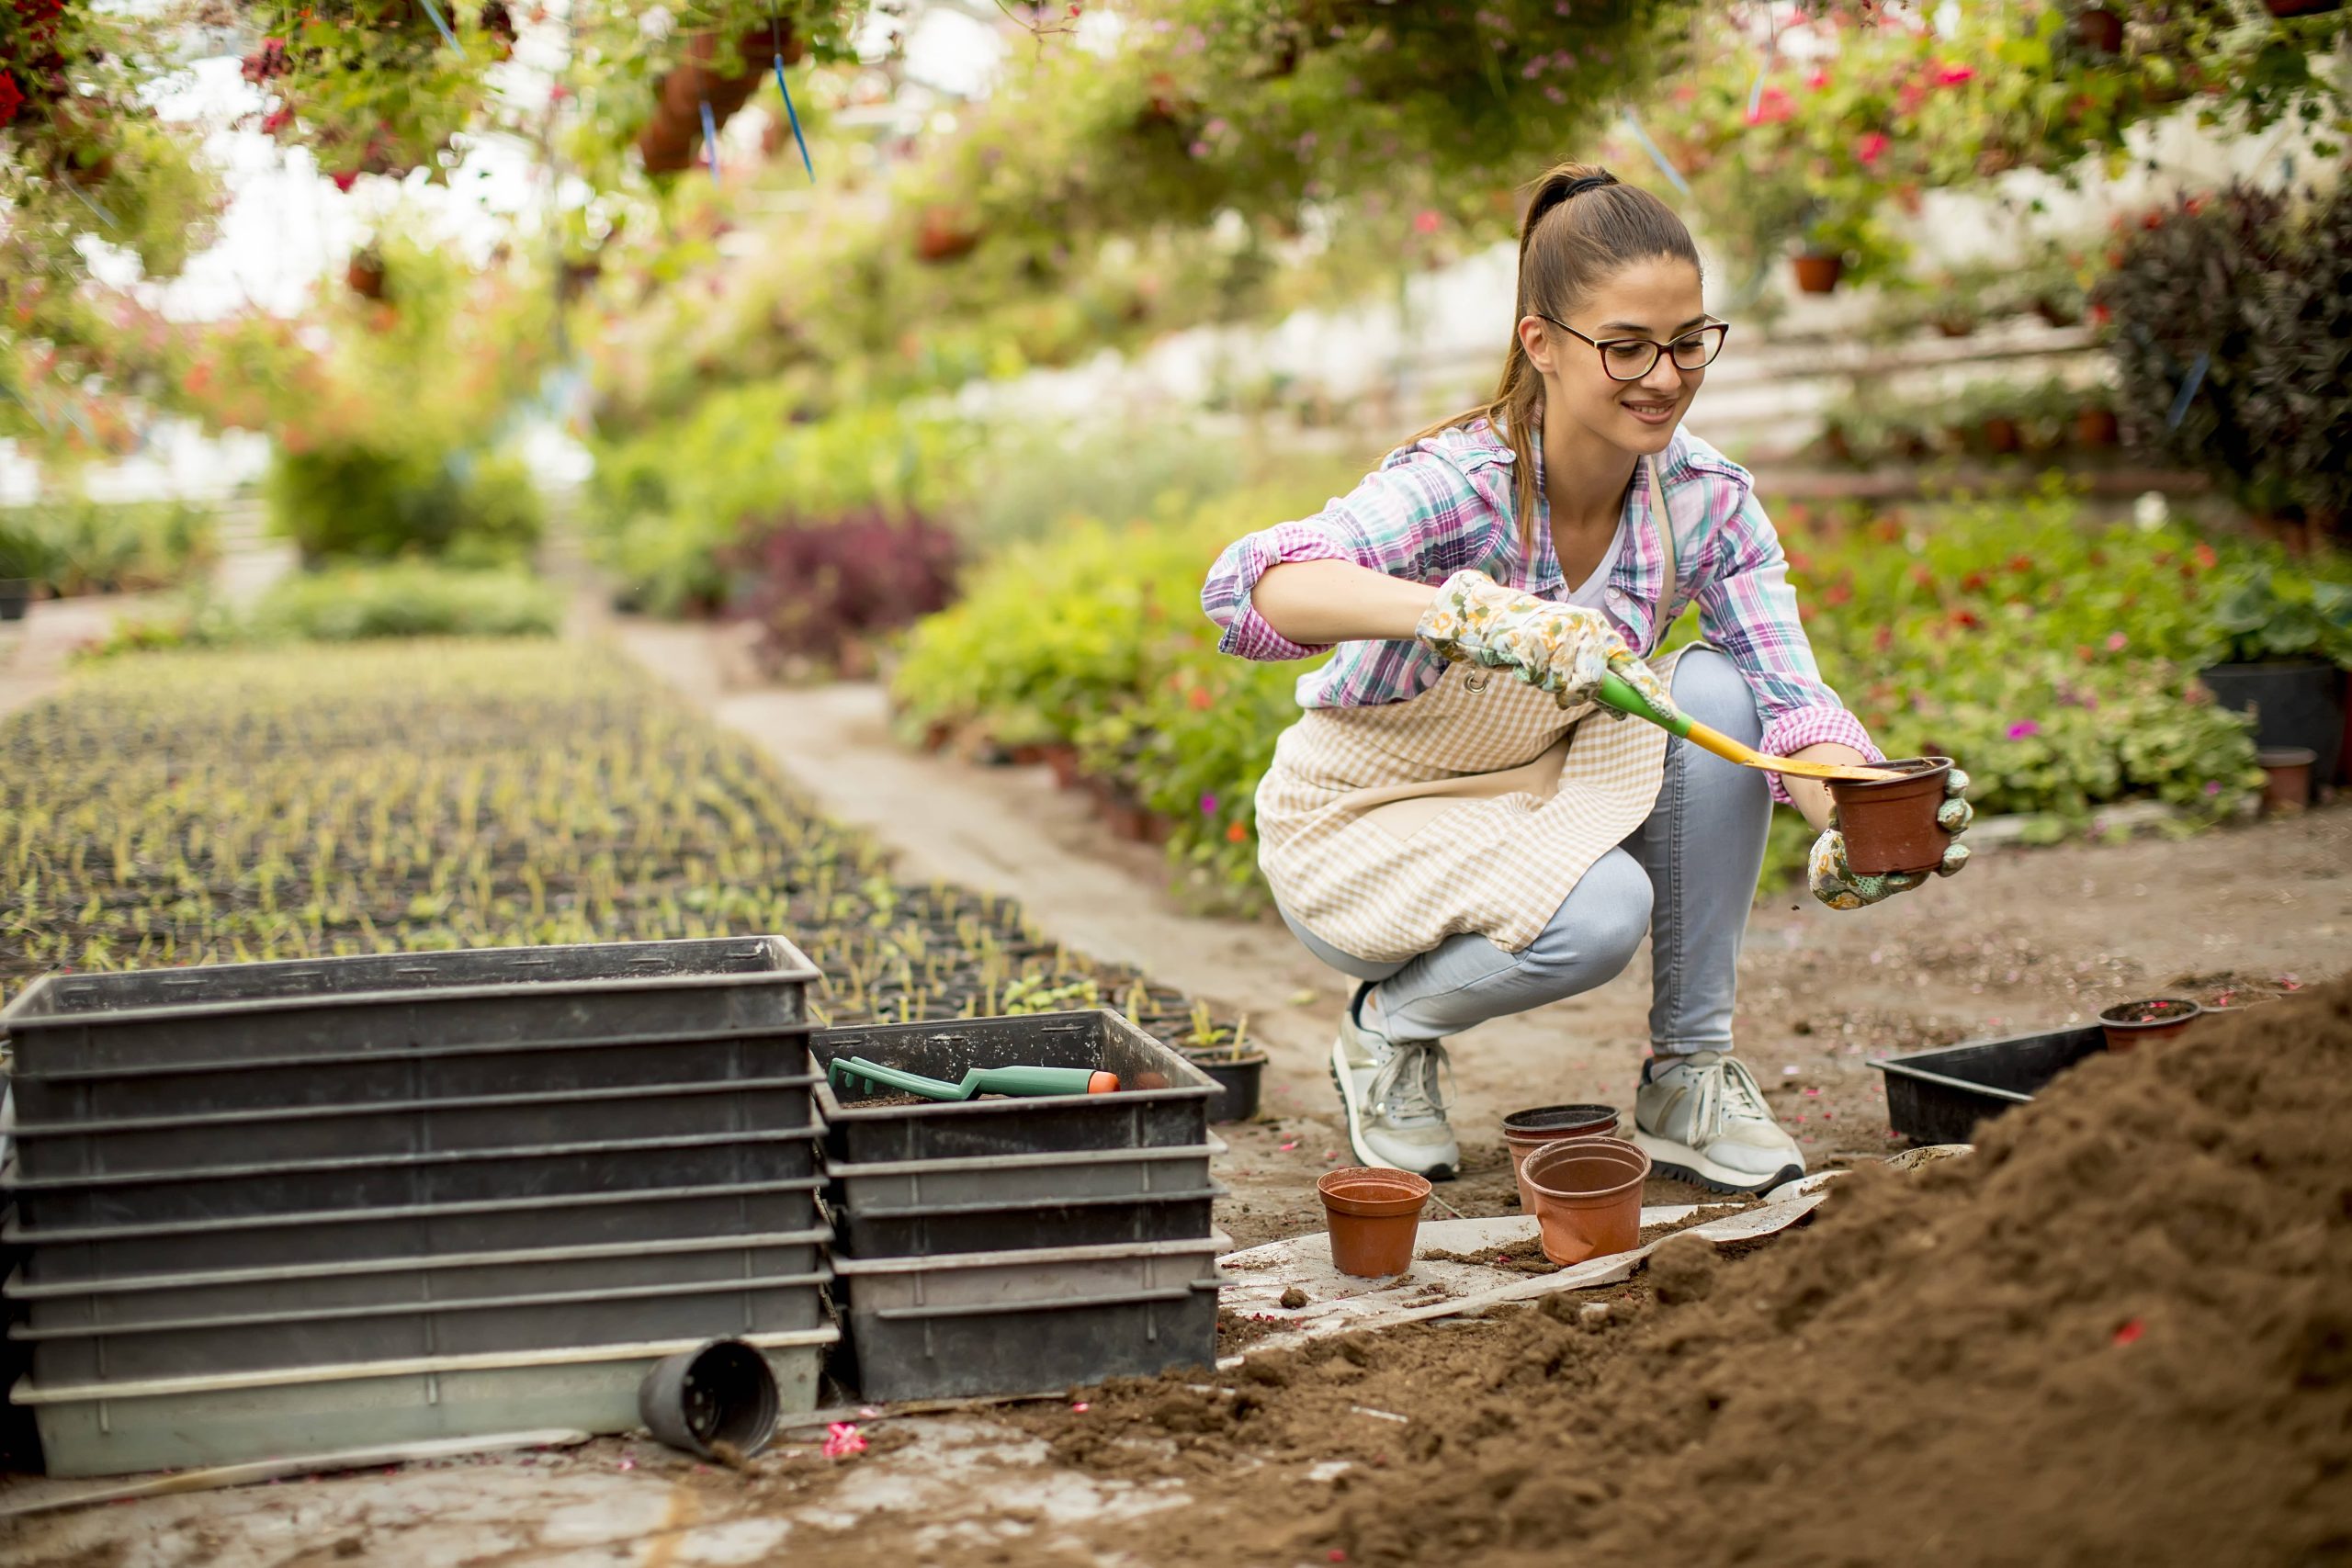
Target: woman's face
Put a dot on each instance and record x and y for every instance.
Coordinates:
(1659, 300)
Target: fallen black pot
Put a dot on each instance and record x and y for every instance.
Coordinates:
(1238, 1081)
(722, 1394)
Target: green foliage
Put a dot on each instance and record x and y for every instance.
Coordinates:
(346, 502)
(73, 544)
(407, 599)
(2264, 612)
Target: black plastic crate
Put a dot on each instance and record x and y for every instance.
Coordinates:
(389, 1129)
(279, 1341)
(99, 1253)
(424, 1072)
(216, 1294)
(1939, 1096)
(1028, 1321)
(394, 1002)
(1163, 1101)
(634, 1165)
(931, 1230)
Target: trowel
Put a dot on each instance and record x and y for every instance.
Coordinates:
(1618, 693)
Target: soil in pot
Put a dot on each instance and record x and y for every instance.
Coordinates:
(1891, 826)
(2287, 777)
(1524, 1132)
(2128, 1023)
(1374, 1215)
(1587, 1195)
(1818, 273)
(1238, 1080)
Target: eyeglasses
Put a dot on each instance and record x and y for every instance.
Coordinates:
(1631, 358)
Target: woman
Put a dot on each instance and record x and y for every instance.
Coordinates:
(1466, 847)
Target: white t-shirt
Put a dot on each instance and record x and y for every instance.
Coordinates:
(1596, 584)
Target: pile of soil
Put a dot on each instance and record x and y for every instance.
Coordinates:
(2121, 1332)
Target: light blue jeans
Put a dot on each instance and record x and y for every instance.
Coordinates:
(1686, 877)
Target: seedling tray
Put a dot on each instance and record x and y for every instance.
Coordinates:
(408, 1181)
(930, 1230)
(1018, 1178)
(1939, 1096)
(93, 1254)
(189, 1143)
(1164, 1102)
(425, 1072)
(274, 1341)
(119, 1428)
(1029, 1322)
(393, 1003)
(217, 1293)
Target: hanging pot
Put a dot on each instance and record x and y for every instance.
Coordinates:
(1818, 273)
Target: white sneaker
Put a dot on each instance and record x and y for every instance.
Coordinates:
(1702, 1118)
(1393, 1092)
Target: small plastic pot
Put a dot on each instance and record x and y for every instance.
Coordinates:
(1587, 1197)
(722, 1392)
(1524, 1132)
(1891, 826)
(1373, 1214)
(1238, 1081)
(2286, 777)
(2128, 1023)
(1062, 758)
(2096, 427)
(1818, 273)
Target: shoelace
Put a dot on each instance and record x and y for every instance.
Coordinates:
(1723, 1087)
(1415, 1083)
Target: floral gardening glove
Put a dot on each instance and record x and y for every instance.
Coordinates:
(1840, 886)
(1561, 649)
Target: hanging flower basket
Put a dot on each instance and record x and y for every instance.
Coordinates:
(1818, 273)
(364, 273)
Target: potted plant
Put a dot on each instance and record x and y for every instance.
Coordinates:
(1224, 1056)
(2278, 643)
(365, 273)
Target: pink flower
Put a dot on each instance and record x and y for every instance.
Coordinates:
(2117, 642)
(2024, 729)
(1871, 148)
(1817, 81)
(1950, 74)
(1425, 221)
(842, 1438)
(1772, 107)
(1208, 806)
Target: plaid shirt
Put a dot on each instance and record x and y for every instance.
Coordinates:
(1446, 504)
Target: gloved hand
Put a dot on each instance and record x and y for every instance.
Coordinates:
(1561, 649)
(1840, 886)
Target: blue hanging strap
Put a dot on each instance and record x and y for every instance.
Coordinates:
(446, 36)
(1669, 170)
(710, 140)
(776, 41)
(2180, 409)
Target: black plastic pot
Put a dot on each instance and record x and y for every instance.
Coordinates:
(2298, 703)
(1238, 1084)
(718, 1392)
(16, 596)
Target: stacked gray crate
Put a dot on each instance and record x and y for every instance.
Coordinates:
(293, 1207)
(1017, 1245)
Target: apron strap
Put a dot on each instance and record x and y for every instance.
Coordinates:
(1665, 520)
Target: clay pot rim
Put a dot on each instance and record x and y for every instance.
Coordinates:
(1563, 1127)
(1407, 1193)
(1915, 770)
(1618, 1151)
(2193, 1006)
(2285, 757)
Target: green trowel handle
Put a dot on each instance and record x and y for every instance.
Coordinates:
(1618, 693)
(1039, 1080)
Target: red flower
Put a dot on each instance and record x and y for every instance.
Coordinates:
(1972, 583)
(1237, 833)
(1869, 148)
(2206, 559)
(1951, 74)
(1201, 699)
(11, 98)
(1425, 222)
(2129, 1332)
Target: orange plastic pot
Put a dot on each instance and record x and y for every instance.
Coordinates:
(1524, 1132)
(1372, 1215)
(1587, 1197)
(2128, 1023)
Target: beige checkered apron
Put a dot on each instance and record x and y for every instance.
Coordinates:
(1473, 807)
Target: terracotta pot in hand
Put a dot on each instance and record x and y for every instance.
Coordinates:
(1891, 826)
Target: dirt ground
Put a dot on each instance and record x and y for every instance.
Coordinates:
(1466, 1440)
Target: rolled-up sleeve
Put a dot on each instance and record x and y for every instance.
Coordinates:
(1418, 518)
(1749, 610)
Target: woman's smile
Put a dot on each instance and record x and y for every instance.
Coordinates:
(1654, 411)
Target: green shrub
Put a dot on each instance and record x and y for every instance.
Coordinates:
(74, 546)
(407, 599)
(359, 503)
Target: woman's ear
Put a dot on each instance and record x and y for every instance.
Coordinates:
(1534, 338)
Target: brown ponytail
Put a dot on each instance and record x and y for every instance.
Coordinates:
(1601, 226)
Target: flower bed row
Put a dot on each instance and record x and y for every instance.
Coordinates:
(201, 808)
(2058, 663)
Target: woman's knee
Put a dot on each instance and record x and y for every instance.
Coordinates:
(1709, 687)
(1597, 928)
